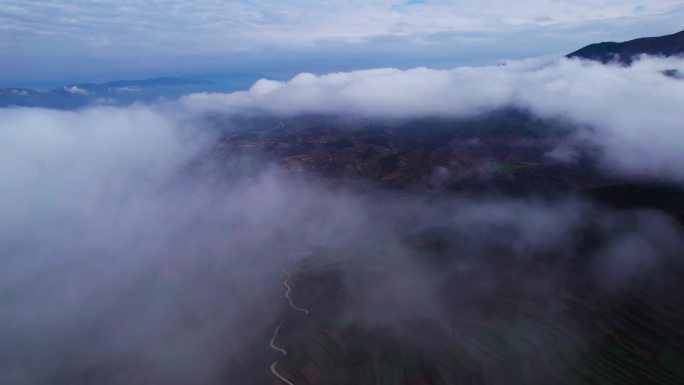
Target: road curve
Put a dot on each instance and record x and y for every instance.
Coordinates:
(277, 329)
(280, 377)
(287, 294)
(272, 342)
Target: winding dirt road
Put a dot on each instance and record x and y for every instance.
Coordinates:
(275, 373)
(277, 329)
(272, 343)
(287, 293)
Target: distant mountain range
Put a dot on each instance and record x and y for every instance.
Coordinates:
(625, 52)
(115, 92)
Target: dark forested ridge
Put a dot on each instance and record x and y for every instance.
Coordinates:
(669, 45)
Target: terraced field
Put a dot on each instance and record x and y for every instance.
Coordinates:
(633, 337)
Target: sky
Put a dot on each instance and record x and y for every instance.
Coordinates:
(74, 40)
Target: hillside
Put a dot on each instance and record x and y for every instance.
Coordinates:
(669, 45)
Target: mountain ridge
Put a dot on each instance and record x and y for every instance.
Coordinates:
(74, 95)
(625, 52)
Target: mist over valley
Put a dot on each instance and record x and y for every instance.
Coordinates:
(503, 224)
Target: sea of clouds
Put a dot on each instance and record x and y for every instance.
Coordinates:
(129, 254)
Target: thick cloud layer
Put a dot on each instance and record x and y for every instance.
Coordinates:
(130, 256)
(632, 113)
(120, 260)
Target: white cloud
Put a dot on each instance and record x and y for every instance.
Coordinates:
(102, 219)
(75, 90)
(120, 90)
(634, 113)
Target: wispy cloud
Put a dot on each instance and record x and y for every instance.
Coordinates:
(141, 30)
(300, 22)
